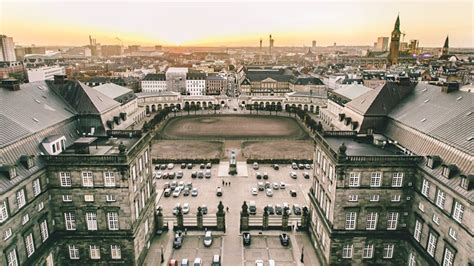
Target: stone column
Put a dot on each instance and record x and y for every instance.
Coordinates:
(199, 219)
(284, 219)
(179, 216)
(220, 215)
(159, 220)
(304, 218)
(244, 218)
(265, 219)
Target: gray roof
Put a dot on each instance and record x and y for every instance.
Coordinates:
(357, 148)
(112, 90)
(448, 117)
(158, 76)
(32, 108)
(352, 91)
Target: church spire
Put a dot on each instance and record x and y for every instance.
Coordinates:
(397, 24)
(445, 49)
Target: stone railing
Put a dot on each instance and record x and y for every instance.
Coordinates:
(383, 159)
(84, 159)
(124, 133)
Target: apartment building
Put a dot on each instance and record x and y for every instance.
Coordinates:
(154, 83)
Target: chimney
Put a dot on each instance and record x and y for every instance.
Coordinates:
(11, 84)
(60, 79)
(450, 87)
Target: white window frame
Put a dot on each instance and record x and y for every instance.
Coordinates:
(388, 251)
(29, 245)
(87, 179)
(392, 220)
(115, 252)
(110, 198)
(67, 198)
(421, 206)
(65, 179)
(435, 218)
(440, 198)
(396, 198)
(113, 221)
(44, 231)
(431, 246)
(7, 234)
(354, 179)
(36, 187)
(347, 251)
(351, 221)
(425, 188)
(417, 230)
(12, 258)
(94, 252)
(40, 206)
(374, 198)
(376, 179)
(412, 259)
(91, 221)
(73, 252)
(458, 211)
(353, 198)
(20, 198)
(448, 257)
(372, 218)
(70, 221)
(25, 219)
(88, 198)
(397, 179)
(3, 212)
(452, 233)
(109, 179)
(368, 251)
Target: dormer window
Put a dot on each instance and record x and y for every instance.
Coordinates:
(467, 182)
(446, 171)
(9, 170)
(449, 170)
(432, 161)
(429, 162)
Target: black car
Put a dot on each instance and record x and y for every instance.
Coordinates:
(276, 167)
(157, 167)
(270, 209)
(178, 240)
(265, 176)
(172, 175)
(306, 175)
(194, 174)
(284, 239)
(165, 175)
(183, 166)
(163, 167)
(293, 193)
(278, 209)
(246, 238)
(204, 209)
(259, 176)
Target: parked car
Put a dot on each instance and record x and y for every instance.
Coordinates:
(293, 193)
(207, 239)
(271, 262)
(207, 174)
(204, 209)
(258, 175)
(173, 185)
(261, 186)
(186, 192)
(157, 167)
(183, 166)
(175, 209)
(294, 166)
(170, 166)
(293, 175)
(276, 185)
(254, 191)
(194, 192)
(252, 207)
(194, 174)
(184, 262)
(301, 166)
(307, 166)
(268, 185)
(163, 167)
(178, 240)
(189, 166)
(167, 185)
(158, 175)
(179, 175)
(278, 209)
(216, 260)
(270, 209)
(284, 239)
(208, 165)
(246, 238)
(269, 192)
(265, 175)
(173, 262)
(276, 167)
(259, 263)
(189, 185)
(255, 166)
(200, 174)
(176, 192)
(202, 166)
(282, 185)
(197, 262)
(171, 175)
(296, 209)
(185, 208)
(287, 208)
(306, 175)
(181, 185)
(167, 192)
(219, 191)
(165, 175)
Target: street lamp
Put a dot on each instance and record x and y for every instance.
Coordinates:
(162, 255)
(302, 255)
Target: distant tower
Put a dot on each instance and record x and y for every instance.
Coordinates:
(314, 45)
(270, 43)
(260, 45)
(395, 43)
(446, 46)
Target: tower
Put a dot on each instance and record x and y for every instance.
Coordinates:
(445, 50)
(260, 45)
(395, 43)
(270, 43)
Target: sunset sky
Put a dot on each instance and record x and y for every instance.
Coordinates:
(235, 23)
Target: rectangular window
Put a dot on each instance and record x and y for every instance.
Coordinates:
(94, 252)
(372, 220)
(146, 156)
(458, 211)
(388, 251)
(354, 179)
(7, 234)
(431, 247)
(70, 221)
(115, 252)
(25, 219)
(440, 199)
(417, 230)
(91, 221)
(347, 251)
(448, 259)
(392, 220)
(44, 230)
(89, 198)
(20, 198)
(36, 187)
(40, 206)
(109, 179)
(146, 227)
(397, 179)
(67, 198)
(87, 179)
(12, 259)
(73, 252)
(412, 259)
(435, 218)
(110, 198)
(353, 198)
(65, 178)
(29, 244)
(134, 172)
(368, 251)
(452, 233)
(351, 218)
(395, 198)
(374, 198)
(375, 179)
(3, 211)
(425, 188)
(421, 207)
(137, 209)
(112, 221)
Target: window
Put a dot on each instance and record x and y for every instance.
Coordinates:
(448, 259)
(109, 179)
(421, 206)
(412, 259)
(146, 227)
(91, 220)
(29, 244)
(25, 219)
(137, 209)
(40, 206)
(73, 252)
(44, 230)
(458, 211)
(397, 179)
(351, 218)
(388, 251)
(146, 156)
(12, 259)
(372, 221)
(70, 220)
(452, 233)
(20, 198)
(417, 230)
(431, 247)
(430, 162)
(445, 172)
(375, 179)
(112, 220)
(94, 252)
(440, 199)
(87, 179)
(110, 198)
(425, 188)
(134, 172)
(67, 198)
(435, 218)
(36, 187)
(354, 179)
(3, 212)
(353, 198)
(7, 234)
(89, 198)
(392, 220)
(368, 251)
(115, 252)
(65, 178)
(395, 198)
(464, 182)
(375, 197)
(347, 251)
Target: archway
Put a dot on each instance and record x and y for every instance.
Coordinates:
(317, 110)
(147, 109)
(178, 106)
(153, 108)
(305, 107)
(311, 108)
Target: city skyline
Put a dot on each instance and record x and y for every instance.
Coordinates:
(235, 23)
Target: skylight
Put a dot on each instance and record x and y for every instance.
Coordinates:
(427, 100)
(423, 120)
(459, 98)
(35, 119)
(37, 101)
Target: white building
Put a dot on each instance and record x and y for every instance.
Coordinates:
(154, 83)
(196, 84)
(7, 49)
(44, 73)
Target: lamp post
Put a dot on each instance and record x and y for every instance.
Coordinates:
(302, 255)
(162, 255)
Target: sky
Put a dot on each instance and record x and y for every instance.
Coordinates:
(231, 23)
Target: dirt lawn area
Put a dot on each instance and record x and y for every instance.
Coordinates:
(283, 149)
(186, 149)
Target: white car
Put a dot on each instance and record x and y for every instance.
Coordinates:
(254, 191)
(269, 192)
(197, 262)
(181, 185)
(175, 209)
(185, 208)
(170, 166)
(282, 185)
(194, 192)
(158, 174)
(176, 192)
(259, 263)
(255, 166)
(307, 166)
(293, 175)
(276, 185)
(207, 239)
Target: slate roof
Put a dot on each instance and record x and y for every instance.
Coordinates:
(159, 76)
(352, 91)
(261, 75)
(306, 81)
(112, 90)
